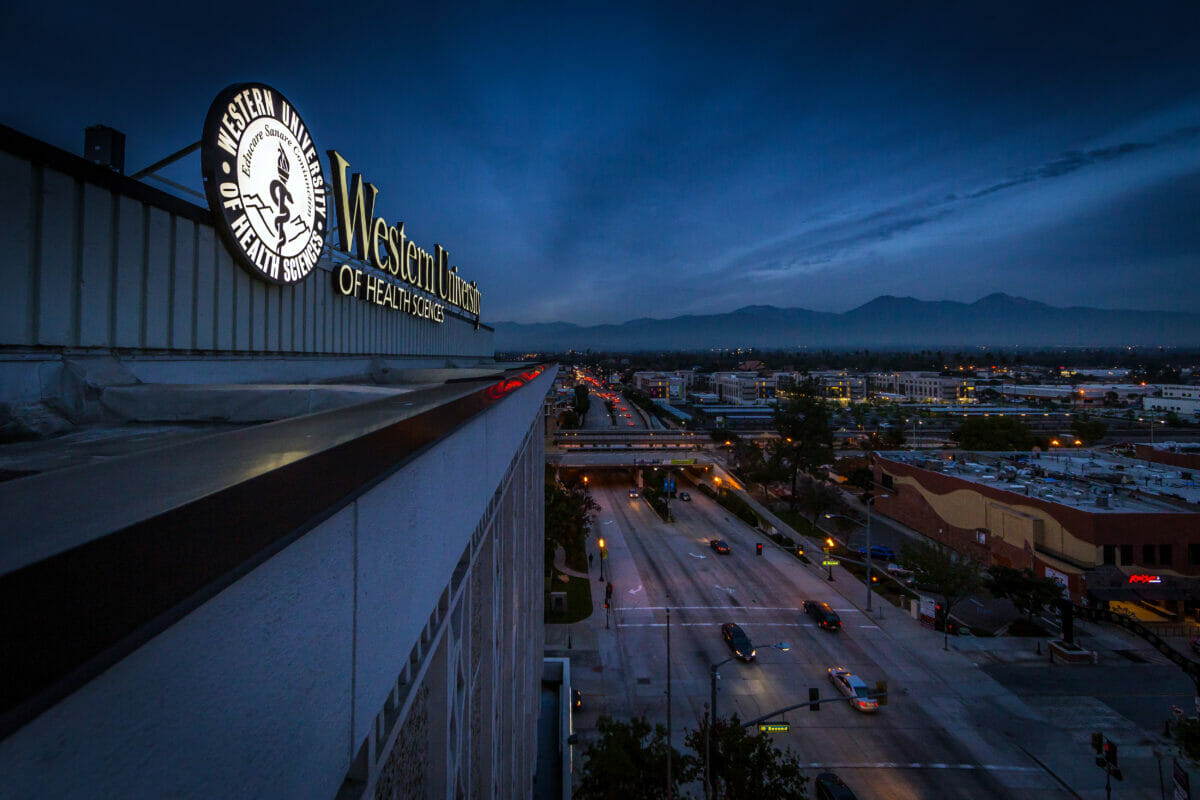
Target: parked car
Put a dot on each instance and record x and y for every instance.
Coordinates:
(738, 641)
(720, 546)
(825, 616)
(879, 552)
(830, 787)
(685, 497)
(634, 493)
(855, 688)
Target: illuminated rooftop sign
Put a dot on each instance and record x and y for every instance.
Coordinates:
(263, 179)
(1145, 579)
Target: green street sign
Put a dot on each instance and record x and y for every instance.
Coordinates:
(830, 562)
(774, 727)
(683, 462)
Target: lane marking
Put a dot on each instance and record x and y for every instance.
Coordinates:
(713, 608)
(876, 627)
(635, 591)
(901, 765)
(707, 624)
(697, 555)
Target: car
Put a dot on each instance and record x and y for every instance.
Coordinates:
(576, 699)
(738, 641)
(830, 787)
(879, 552)
(854, 688)
(825, 616)
(634, 494)
(685, 497)
(720, 546)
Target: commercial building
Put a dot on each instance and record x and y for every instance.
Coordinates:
(1083, 395)
(1185, 455)
(664, 385)
(923, 387)
(743, 388)
(1182, 400)
(1077, 518)
(287, 541)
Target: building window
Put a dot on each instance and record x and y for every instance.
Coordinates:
(1194, 554)
(1126, 554)
(1110, 553)
(1164, 555)
(886, 480)
(1148, 555)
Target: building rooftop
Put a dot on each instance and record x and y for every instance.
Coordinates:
(1092, 481)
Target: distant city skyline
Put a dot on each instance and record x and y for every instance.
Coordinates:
(606, 163)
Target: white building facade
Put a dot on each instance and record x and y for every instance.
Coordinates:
(343, 603)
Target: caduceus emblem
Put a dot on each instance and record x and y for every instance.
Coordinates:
(281, 196)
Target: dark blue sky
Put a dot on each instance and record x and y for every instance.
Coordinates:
(653, 159)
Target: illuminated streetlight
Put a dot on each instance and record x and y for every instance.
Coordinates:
(783, 646)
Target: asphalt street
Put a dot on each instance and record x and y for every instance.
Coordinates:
(947, 731)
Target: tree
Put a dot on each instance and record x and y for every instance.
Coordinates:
(893, 437)
(994, 433)
(745, 765)
(1088, 431)
(817, 498)
(582, 401)
(944, 573)
(805, 432)
(629, 762)
(568, 520)
(1029, 593)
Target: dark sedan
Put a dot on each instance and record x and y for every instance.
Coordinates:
(720, 546)
(825, 616)
(738, 641)
(830, 787)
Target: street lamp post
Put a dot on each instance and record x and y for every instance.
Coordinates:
(870, 502)
(783, 646)
(603, 555)
(829, 556)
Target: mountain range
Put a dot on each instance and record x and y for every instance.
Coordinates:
(995, 321)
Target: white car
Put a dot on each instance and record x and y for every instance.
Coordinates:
(853, 687)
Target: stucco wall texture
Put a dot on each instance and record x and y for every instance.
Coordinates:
(1024, 531)
(421, 597)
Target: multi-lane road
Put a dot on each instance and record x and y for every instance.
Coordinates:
(946, 731)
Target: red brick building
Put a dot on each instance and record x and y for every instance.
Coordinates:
(1051, 526)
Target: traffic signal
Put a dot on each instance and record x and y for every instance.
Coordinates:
(1110, 753)
(606, 604)
(1098, 742)
(758, 548)
(814, 699)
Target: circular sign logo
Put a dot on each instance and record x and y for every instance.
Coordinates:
(263, 179)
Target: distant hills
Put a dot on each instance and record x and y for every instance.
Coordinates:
(998, 320)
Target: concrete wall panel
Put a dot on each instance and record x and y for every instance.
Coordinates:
(130, 267)
(57, 242)
(157, 299)
(183, 285)
(206, 288)
(96, 267)
(17, 269)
